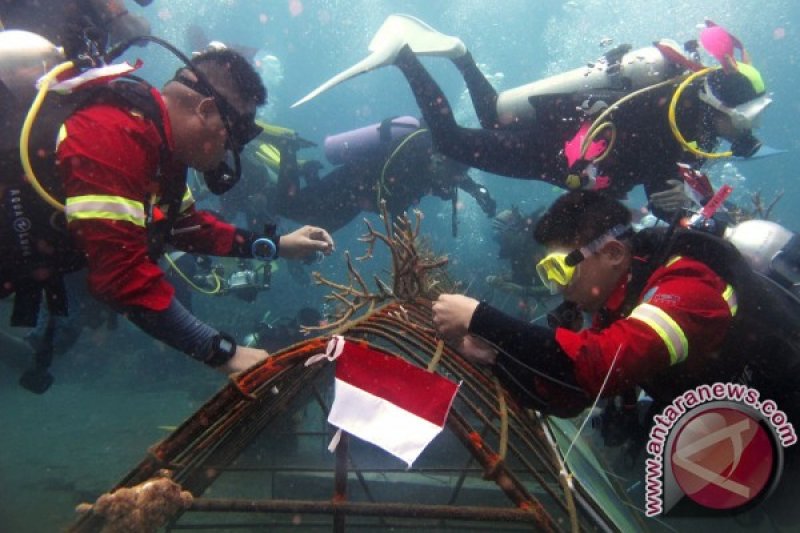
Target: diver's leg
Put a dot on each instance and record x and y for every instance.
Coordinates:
(483, 95)
(430, 98)
(514, 153)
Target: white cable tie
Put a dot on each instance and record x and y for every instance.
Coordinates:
(332, 351)
(335, 440)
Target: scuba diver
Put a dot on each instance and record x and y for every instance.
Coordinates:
(623, 120)
(68, 23)
(112, 194)
(274, 334)
(392, 161)
(672, 309)
(513, 232)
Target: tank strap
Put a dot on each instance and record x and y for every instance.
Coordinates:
(386, 125)
(382, 188)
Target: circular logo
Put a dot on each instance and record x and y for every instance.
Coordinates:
(723, 458)
(22, 224)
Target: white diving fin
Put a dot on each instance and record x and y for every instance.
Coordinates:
(395, 32)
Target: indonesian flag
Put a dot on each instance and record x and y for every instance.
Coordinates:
(382, 399)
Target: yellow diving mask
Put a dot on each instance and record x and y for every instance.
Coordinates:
(557, 269)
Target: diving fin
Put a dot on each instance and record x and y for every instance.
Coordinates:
(764, 151)
(395, 32)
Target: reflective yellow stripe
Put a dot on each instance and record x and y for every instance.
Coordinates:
(62, 134)
(673, 260)
(666, 328)
(187, 201)
(98, 206)
(729, 295)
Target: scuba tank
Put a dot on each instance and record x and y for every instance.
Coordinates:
(771, 250)
(24, 58)
(361, 143)
(619, 71)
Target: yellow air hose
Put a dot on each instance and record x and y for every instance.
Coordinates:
(600, 123)
(673, 105)
(24, 153)
(192, 284)
(27, 126)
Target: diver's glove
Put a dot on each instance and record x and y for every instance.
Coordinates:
(666, 203)
(485, 201)
(481, 195)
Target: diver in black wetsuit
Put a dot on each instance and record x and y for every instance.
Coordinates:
(645, 151)
(621, 121)
(68, 22)
(400, 172)
(401, 176)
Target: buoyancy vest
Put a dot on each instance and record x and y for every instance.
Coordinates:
(35, 247)
(762, 346)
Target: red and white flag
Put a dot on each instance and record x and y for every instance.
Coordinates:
(387, 401)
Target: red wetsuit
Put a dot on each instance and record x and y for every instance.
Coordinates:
(109, 161)
(666, 344)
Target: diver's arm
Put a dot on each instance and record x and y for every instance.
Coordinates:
(178, 328)
(480, 193)
(521, 344)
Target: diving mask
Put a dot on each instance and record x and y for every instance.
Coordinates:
(557, 269)
(744, 117)
(240, 129)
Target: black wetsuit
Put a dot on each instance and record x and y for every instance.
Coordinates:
(645, 151)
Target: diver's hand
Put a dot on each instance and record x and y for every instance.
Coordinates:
(671, 200)
(243, 359)
(477, 351)
(485, 201)
(305, 242)
(452, 314)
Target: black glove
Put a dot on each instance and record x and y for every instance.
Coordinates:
(485, 201)
(481, 195)
(666, 203)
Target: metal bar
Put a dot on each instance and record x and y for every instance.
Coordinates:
(340, 482)
(398, 510)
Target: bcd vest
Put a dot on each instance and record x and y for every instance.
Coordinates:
(762, 346)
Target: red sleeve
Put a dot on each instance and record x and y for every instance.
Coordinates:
(203, 233)
(110, 152)
(690, 294)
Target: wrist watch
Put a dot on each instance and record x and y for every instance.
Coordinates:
(264, 249)
(223, 348)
